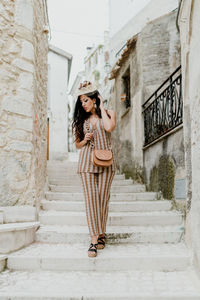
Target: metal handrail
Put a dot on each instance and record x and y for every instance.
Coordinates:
(160, 87)
(165, 111)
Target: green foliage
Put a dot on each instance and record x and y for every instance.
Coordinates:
(162, 177)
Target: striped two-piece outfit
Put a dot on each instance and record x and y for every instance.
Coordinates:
(96, 181)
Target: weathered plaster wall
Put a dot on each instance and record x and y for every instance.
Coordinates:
(155, 57)
(160, 57)
(23, 94)
(160, 52)
(127, 137)
(58, 121)
(153, 10)
(190, 47)
(164, 164)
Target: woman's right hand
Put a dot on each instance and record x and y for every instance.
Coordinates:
(88, 136)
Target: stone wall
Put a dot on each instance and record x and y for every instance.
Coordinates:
(160, 57)
(164, 164)
(23, 101)
(155, 56)
(190, 47)
(154, 9)
(128, 135)
(160, 52)
(58, 104)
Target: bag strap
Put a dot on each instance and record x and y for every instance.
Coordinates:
(92, 144)
(87, 126)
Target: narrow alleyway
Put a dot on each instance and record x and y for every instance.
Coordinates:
(145, 66)
(145, 258)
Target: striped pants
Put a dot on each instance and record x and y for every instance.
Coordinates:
(96, 187)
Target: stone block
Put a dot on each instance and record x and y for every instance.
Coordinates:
(19, 135)
(24, 13)
(23, 65)
(29, 236)
(15, 105)
(11, 240)
(13, 48)
(2, 140)
(17, 166)
(20, 146)
(26, 81)
(21, 213)
(25, 124)
(7, 75)
(26, 95)
(16, 235)
(18, 186)
(27, 50)
(2, 9)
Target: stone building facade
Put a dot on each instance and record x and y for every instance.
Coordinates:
(146, 62)
(188, 20)
(59, 68)
(23, 101)
(97, 67)
(80, 77)
(127, 20)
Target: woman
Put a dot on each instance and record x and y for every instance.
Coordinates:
(92, 126)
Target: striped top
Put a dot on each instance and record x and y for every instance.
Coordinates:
(102, 140)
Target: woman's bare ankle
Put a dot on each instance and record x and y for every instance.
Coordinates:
(94, 239)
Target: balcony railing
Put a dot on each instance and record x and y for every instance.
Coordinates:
(163, 111)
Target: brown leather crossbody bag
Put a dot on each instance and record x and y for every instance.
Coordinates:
(100, 157)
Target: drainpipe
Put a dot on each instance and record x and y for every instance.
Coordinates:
(179, 7)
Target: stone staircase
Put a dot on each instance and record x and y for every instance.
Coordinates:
(145, 256)
(17, 229)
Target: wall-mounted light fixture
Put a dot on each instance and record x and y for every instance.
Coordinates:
(46, 29)
(123, 97)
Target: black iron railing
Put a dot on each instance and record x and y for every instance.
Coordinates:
(163, 111)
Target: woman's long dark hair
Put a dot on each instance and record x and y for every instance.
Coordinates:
(80, 115)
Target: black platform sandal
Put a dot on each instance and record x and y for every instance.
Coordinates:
(92, 252)
(101, 242)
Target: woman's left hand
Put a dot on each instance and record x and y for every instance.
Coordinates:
(101, 102)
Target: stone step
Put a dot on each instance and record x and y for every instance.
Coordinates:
(113, 206)
(77, 182)
(81, 285)
(63, 170)
(66, 172)
(18, 213)
(125, 257)
(1, 216)
(3, 261)
(114, 218)
(73, 156)
(14, 236)
(115, 234)
(61, 164)
(134, 188)
(63, 177)
(113, 197)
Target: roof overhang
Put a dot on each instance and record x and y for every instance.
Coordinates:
(130, 45)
